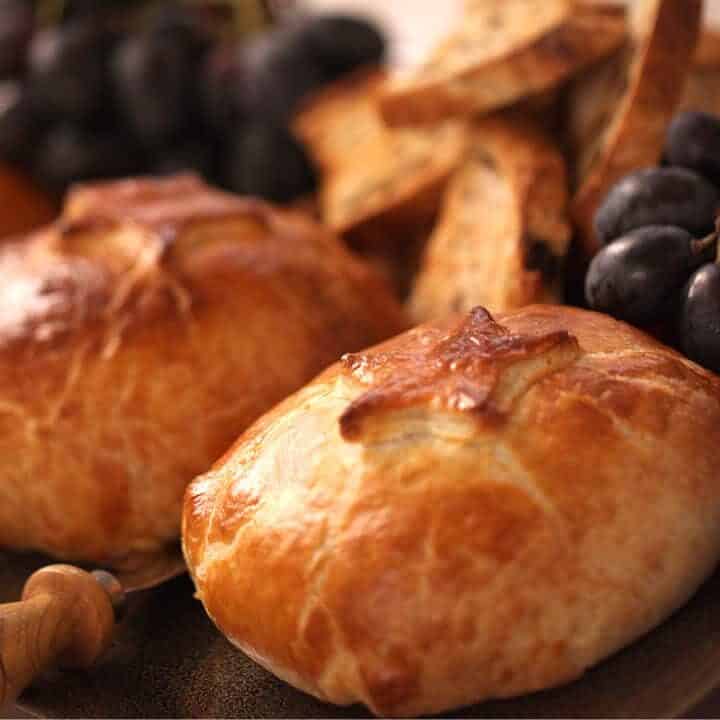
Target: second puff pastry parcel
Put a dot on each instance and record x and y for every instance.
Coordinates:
(478, 508)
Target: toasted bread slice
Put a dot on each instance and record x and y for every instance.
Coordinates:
(702, 89)
(545, 109)
(340, 117)
(501, 53)
(504, 228)
(707, 50)
(619, 112)
(376, 181)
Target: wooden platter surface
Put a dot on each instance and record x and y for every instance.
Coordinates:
(168, 660)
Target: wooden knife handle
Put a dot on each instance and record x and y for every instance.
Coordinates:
(65, 619)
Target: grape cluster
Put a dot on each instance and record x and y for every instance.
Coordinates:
(103, 92)
(658, 227)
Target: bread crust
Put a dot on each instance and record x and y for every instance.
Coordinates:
(660, 55)
(558, 39)
(707, 50)
(377, 183)
(471, 510)
(702, 87)
(138, 335)
(340, 116)
(504, 229)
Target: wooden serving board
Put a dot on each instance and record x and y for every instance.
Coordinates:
(169, 661)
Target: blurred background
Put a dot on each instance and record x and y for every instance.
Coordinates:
(101, 89)
(92, 89)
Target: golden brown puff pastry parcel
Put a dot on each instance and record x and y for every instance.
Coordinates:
(139, 335)
(473, 509)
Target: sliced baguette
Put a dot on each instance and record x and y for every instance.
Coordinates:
(504, 228)
(503, 52)
(618, 113)
(340, 117)
(702, 89)
(376, 182)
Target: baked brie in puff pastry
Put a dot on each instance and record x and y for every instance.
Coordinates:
(139, 334)
(477, 508)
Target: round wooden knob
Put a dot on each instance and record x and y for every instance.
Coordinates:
(86, 607)
(65, 618)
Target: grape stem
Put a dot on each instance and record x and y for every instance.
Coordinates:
(700, 246)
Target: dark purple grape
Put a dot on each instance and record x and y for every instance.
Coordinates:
(221, 79)
(157, 80)
(73, 9)
(340, 43)
(20, 123)
(267, 77)
(693, 141)
(658, 196)
(273, 73)
(700, 317)
(268, 162)
(182, 20)
(68, 70)
(16, 27)
(634, 277)
(72, 154)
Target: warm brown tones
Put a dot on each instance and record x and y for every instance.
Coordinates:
(64, 617)
(500, 53)
(378, 183)
(702, 88)
(138, 335)
(619, 113)
(504, 229)
(22, 206)
(471, 510)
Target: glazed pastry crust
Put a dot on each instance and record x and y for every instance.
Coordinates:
(138, 335)
(471, 510)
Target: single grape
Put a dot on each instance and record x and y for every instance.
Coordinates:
(268, 162)
(341, 43)
(190, 21)
(16, 27)
(658, 196)
(71, 154)
(68, 69)
(700, 317)
(693, 141)
(634, 277)
(156, 75)
(273, 73)
(267, 77)
(20, 123)
(221, 77)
